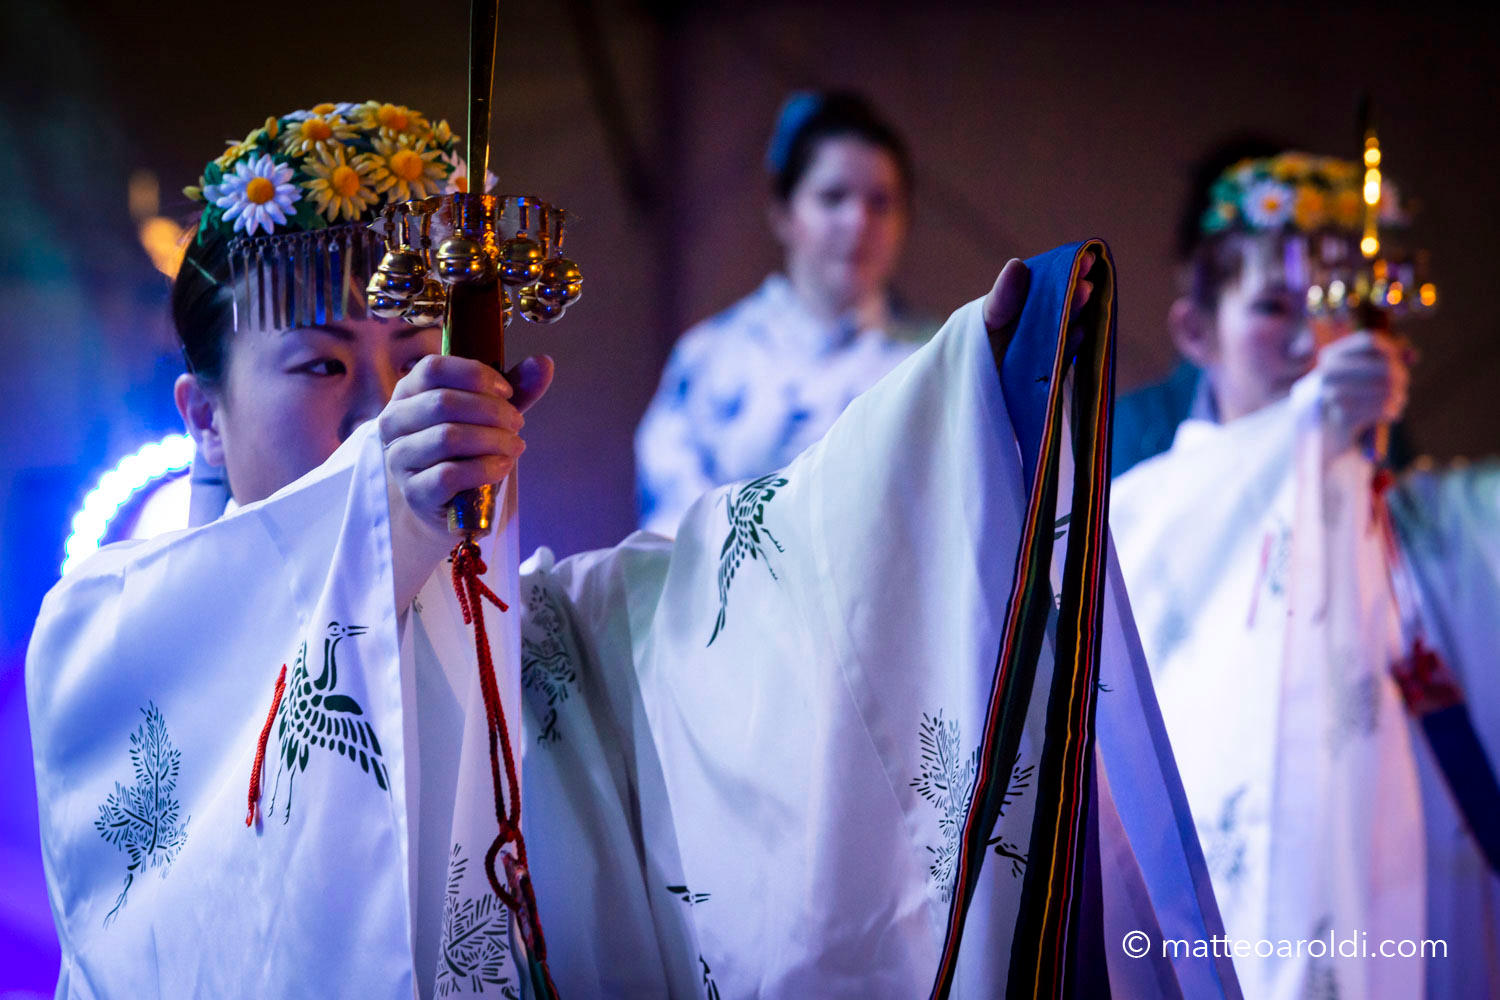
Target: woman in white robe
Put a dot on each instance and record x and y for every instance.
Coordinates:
(1276, 597)
(747, 758)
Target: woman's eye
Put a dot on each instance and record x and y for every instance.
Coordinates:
(1272, 307)
(832, 197)
(323, 367)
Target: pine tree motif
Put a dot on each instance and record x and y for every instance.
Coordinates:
(545, 667)
(1224, 843)
(142, 820)
(946, 780)
(476, 938)
(314, 715)
(747, 512)
(1321, 981)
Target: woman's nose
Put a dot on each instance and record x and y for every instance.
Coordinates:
(1304, 343)
(373, 388)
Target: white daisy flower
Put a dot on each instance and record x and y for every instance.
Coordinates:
(458, 180)
(257, 195)
(1268, 204)
(344, 109)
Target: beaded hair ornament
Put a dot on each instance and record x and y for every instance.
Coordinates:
(295, 198)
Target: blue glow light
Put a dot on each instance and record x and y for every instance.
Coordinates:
(115, 488)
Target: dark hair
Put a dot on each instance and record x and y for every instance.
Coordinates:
(1214, 260)
(203, 306)
(807, 119)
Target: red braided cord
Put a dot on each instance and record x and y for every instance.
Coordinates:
(260, 747)
(468, 567)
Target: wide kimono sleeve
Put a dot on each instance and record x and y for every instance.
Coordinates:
(157, 673)
(792, 695)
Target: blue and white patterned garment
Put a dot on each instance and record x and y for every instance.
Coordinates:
(749, 389)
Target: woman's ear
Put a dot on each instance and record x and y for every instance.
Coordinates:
(200, 415)
(1193, 332)
(779, 218)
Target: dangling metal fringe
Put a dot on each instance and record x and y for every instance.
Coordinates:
(300, 279)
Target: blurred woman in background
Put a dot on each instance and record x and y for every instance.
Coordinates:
(747, 390)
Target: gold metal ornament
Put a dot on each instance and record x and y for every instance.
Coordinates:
(462, 258)
(535, 309)
(429, 305)
(560, 282)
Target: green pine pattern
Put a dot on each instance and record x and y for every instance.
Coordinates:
(142, 820)
(476, 938)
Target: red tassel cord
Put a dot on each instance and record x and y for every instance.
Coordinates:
(260, 747)
(468, 568)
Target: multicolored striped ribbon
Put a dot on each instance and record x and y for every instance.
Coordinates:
(1053, 950)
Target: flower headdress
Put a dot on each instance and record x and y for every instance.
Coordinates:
(295, 197)
(1294, 192)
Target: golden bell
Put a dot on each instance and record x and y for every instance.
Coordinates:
(384, 304)
(520, 260)
(401, 273)
(460, 258)
(560, 282)
(534, 309)
(429, 305)
(507, 307)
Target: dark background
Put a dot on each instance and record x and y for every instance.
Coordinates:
(648, 121)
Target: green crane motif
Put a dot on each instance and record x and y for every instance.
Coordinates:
(313, 714)
(141, 820)
(747, 513)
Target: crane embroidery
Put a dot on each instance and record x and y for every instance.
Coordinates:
(747, 514)
(142, 820)
(314, 715)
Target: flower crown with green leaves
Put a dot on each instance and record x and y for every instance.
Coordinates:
(1294, 192)
(333, 163)
(295, 197)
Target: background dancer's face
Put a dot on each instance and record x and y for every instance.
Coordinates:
(843, 224)
(288, 399)
(1255, 341)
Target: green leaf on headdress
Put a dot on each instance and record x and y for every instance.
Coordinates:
(213, 174)
(211, 220)
(1218, 218)
(307, 217)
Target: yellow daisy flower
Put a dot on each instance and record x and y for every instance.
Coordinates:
(1291, 166)
(340, 188)
(391, 120)
(316, 133)
(1341, 171)
(403, 171)
(442, 133)
(1310, 208)
(237, 150)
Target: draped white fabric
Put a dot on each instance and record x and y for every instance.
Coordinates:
(746, 754)
(797, 685)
